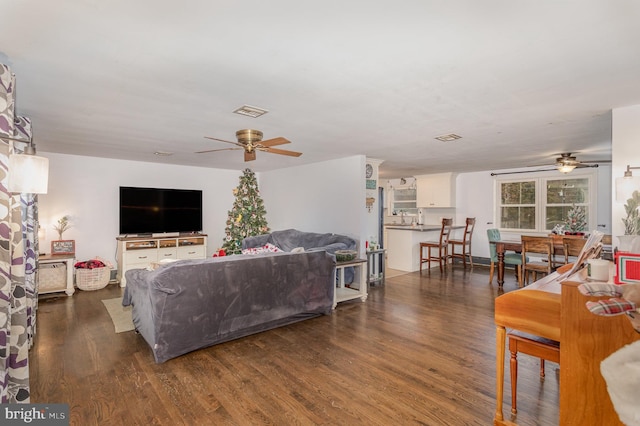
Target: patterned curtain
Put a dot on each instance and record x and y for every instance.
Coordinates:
(18, 257)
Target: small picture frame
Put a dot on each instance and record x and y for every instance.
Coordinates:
(371, 184)
(63, 247)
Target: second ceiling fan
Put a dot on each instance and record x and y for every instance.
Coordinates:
(251, 141)
(567, 162)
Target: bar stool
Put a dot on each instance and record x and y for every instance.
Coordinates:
(464, 244)
(441, 246)
(529, 344)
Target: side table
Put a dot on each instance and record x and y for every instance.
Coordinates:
(357, 289)
(376, 266)
(62, 281)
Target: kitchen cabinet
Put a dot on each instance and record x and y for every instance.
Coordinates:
(403, 199)
(436, 190)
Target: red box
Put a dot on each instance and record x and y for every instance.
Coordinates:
(627, 268)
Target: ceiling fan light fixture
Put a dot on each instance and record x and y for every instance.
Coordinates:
(565, 168)
(250, 111)
(249, 135)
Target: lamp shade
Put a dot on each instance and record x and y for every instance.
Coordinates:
(625, 187)
(28, 174)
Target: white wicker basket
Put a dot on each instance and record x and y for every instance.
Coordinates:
(92, 279)
(52, 276)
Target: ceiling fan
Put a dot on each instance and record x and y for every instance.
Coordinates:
(567, 162)
(251, 141)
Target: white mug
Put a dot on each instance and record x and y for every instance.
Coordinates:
(598, 269)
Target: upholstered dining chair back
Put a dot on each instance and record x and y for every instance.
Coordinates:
(512, 259)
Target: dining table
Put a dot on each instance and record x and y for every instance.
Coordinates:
(503, 245)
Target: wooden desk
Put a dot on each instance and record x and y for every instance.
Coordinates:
(557, 311)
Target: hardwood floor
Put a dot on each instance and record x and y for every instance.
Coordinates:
(420, 350)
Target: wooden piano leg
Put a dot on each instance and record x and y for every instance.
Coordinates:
(501, 334)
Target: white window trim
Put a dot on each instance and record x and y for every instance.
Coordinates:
(541, 194)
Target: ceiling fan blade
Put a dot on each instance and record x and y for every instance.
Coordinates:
(222, 140)
(596, 161)
(274, 142)
(249, 155)
(281, 152)
(541, 165)
(214, 150)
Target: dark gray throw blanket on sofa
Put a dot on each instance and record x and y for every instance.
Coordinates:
(192, 304)
(290, 239)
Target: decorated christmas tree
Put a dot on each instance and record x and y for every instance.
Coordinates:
(247, 218)
(576, 219)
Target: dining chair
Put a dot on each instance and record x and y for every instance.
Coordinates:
(464, 244)
(437, 250)
(572, 247)
(512, 259)
(557, 255)
(537, 246)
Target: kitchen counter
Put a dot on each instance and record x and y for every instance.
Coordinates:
(403, 244)
(419, 228)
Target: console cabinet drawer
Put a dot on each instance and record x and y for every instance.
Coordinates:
(167, 253)
(141, 256)
(191, 252)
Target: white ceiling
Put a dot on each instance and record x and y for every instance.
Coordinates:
(520, 81)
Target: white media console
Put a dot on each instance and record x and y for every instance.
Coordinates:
(140, 252)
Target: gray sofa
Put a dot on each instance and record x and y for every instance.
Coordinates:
(191, 304)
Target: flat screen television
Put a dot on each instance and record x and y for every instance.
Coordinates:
(156, 210)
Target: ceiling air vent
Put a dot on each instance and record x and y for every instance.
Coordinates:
(250, 111)
(448, 138)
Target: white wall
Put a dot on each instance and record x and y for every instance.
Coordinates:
(321, 197)
(475, 198)
(625, 137)
(372, 216)
(87, 189)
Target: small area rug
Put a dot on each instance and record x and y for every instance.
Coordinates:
(120, 315)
